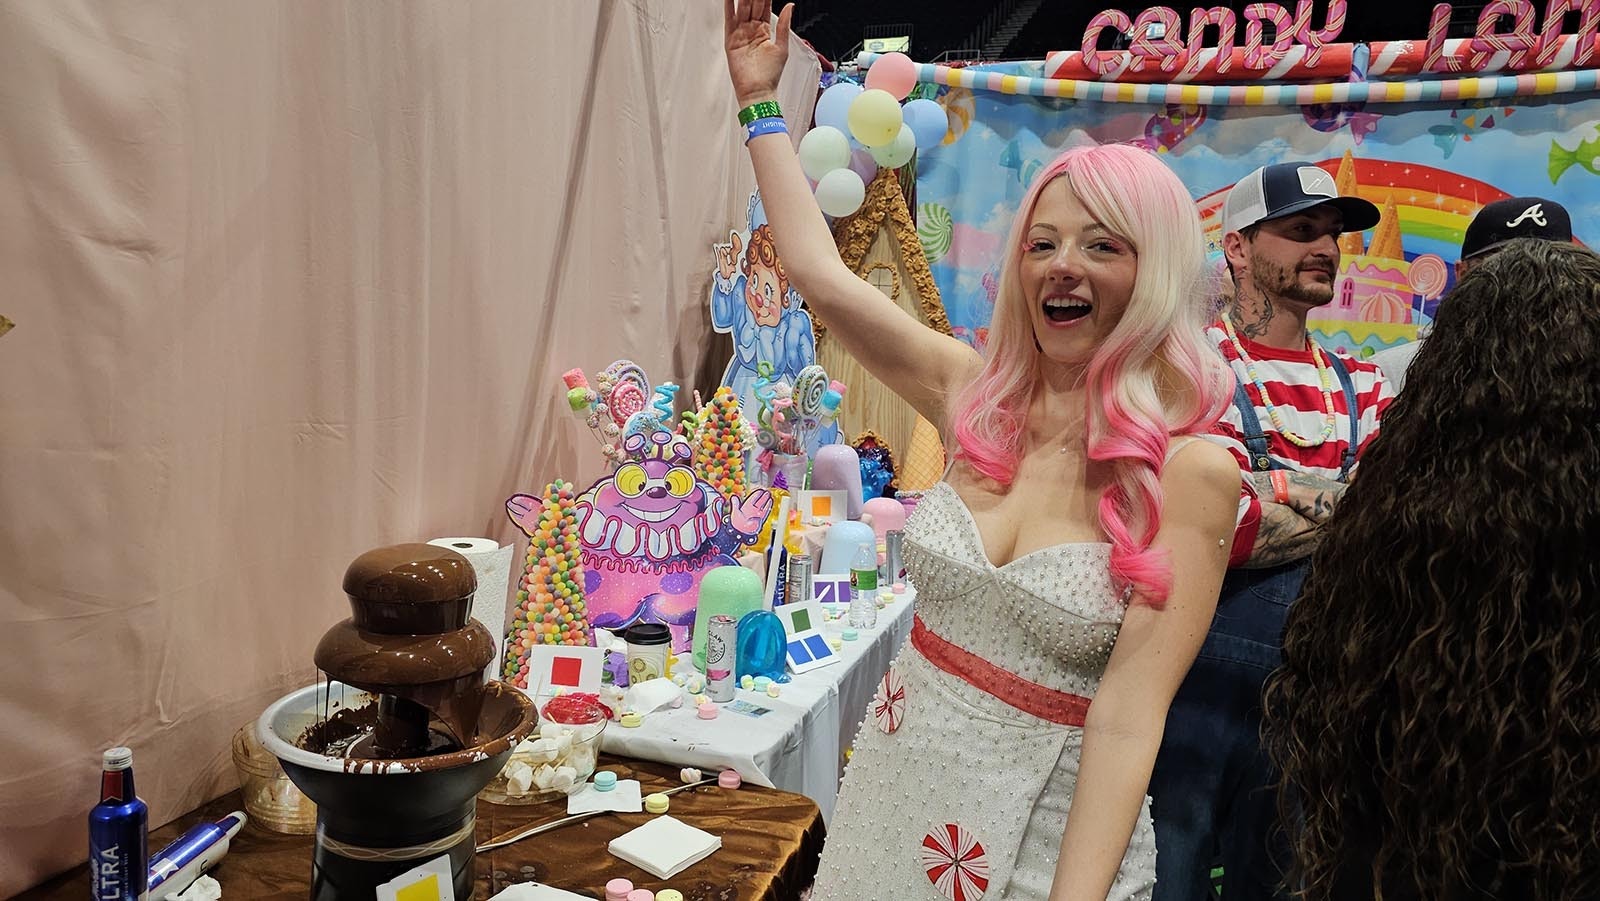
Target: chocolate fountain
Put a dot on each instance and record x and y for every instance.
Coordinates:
(396, 745)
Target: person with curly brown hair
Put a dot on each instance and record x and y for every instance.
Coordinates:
(1437, 713)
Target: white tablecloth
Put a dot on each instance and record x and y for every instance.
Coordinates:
(799, 746)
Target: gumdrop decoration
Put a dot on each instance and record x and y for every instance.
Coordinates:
(720, 445)
(550, 597)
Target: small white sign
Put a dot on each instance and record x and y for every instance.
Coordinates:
(430, 882)
(821, 507)
(558, 668)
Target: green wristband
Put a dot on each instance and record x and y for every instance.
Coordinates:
(766, 109)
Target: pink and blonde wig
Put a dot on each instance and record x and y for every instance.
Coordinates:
(1154, 376)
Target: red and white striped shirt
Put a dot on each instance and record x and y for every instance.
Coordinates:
(1295, 388)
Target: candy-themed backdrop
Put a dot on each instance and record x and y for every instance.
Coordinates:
(1428, 166)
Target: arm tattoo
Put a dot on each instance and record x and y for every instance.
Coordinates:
(1313, 497)
(1252, 323)
(1283, 537)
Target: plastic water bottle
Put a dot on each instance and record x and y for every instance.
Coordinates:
(118, 833)
(864, 589)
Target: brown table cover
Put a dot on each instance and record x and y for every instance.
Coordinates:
(770, 843)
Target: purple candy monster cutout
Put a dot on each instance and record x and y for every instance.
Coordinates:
(652, 529)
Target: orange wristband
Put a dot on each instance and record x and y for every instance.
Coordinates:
(1280, 486)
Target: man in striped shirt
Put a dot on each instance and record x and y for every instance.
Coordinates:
(1300, 418)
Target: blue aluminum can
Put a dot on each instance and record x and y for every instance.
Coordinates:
(119, 853)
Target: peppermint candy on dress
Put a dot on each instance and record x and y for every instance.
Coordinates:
(955, 862)
(889, 703)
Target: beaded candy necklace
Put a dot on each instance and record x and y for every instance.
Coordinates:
(1272, 411)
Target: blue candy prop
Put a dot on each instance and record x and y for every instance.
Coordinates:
(762, 647)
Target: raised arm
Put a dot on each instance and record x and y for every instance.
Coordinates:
(919, 364)
(1153, 652)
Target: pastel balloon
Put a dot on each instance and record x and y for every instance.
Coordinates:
(840, 192)
(823, 150)
(897, 152)
(833, 107)
(893, 73)
(862, 164)
(875, 118)
(928, 122)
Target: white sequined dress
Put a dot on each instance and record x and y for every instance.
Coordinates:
(967, 798)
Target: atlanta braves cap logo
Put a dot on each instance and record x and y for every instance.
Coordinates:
(1534, 213)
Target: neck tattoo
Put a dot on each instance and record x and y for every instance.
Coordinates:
(1250, 328)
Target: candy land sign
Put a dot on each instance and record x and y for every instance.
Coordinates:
(1155, 36)
(1429, 166)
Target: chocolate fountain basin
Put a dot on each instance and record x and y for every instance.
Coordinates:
(391, 804)
(396, 745)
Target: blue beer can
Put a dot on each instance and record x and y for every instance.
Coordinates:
(118, 833)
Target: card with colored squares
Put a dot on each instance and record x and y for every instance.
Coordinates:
(809, 650)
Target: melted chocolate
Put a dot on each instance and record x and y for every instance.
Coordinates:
(506, 718)
(410, 642)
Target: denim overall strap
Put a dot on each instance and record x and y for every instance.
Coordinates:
(1353, 409)
(1255, 439)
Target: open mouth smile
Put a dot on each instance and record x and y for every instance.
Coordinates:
(1065, 310)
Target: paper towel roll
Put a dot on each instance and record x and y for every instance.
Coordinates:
(491, 602)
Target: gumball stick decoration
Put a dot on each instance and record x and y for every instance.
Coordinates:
(720, 448)
(550, 606)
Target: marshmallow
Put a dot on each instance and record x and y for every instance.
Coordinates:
(565, 778)
(690, 775)
(519, 778)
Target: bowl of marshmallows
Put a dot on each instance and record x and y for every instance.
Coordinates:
(558, 759)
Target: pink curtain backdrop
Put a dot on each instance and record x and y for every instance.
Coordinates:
(292, 280)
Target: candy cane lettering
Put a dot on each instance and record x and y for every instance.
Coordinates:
(1316, 39)
(1256, 56)
(1220, 16)
(1098, 61)
(1165, 48)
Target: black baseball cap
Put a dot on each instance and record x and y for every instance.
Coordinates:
(1512, 218)
(1284, 189)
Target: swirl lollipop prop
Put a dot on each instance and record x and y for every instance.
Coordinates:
(809, 387)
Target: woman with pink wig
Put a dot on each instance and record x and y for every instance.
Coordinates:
(1067, 567)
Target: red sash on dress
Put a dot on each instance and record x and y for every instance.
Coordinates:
(1029, 697)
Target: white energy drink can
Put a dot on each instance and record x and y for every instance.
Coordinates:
(797, 584)
(721, 649)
